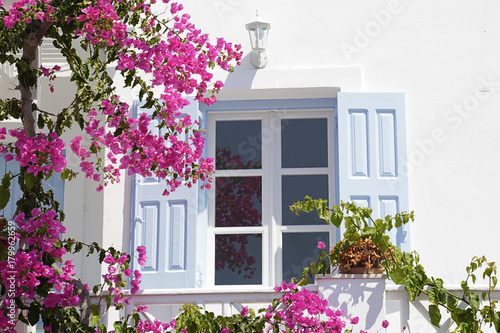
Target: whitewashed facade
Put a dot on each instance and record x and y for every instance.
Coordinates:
(410, 97)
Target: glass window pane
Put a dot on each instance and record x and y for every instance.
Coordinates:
(238, 201)
(238, 144)
(295, 188)
(304, 143)
(238, 259)
(299, 250)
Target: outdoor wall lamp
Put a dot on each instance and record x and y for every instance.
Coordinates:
(258, 31)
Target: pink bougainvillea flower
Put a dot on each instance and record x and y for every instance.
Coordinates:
(321, 245)
(142, 308)
(244, 312)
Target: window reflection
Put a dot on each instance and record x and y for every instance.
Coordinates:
(238, 201)
(304, 143)
(295, 188)
(299, 250)
(238, 259)
(238, 144)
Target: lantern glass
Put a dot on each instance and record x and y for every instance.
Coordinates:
(258, 34)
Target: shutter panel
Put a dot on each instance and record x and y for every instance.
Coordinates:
(54, 183)
(165, 225)
(15, 191)
(371, 151)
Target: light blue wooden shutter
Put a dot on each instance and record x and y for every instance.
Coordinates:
(54, 183)
(15, 191)
(371, 151)
(165, 225)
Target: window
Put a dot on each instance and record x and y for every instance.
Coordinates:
(272, 152)
(266, 161)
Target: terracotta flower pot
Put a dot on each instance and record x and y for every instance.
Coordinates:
(364, 270)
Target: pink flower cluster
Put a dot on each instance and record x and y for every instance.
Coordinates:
(114, 276)
(155, 327)
(40, 153)
(102, 24)
(50, 73)
(180, 65)
(26, 270)
(300, 311)
(140, 151)
(39, 244)
(179, 61)
(25, 11)
(141, 250)
(179, 58)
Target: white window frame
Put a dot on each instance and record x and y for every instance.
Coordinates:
(271, 172)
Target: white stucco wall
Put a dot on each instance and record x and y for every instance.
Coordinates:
(442, 55)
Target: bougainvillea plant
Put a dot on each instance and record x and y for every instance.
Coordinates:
(161, 57)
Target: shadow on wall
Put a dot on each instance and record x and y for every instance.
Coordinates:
(243, 75)
(362, 297)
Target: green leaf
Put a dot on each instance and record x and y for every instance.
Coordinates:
(193, 328)
(305, 281)
(451, 302)
(78, 247)
(4, 197)
(434, 314)
(433, 295)
(314, 269)
(464, 286)
(33, 314)
(22, 318)
(67, 174)
(108, 301)
(102, 255)
(474, 301)
(29, 180)
(398, 277)
(336, 218)
(496, 321)
(94, 319)
(119, 327)
(487, 272)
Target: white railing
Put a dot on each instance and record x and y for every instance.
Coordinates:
(164, 305)
(8, 73)
(400, 312)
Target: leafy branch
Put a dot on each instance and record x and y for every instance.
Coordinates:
(404, 268)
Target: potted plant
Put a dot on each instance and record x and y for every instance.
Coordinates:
(361, 257)
(365, 245)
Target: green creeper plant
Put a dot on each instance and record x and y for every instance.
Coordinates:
(194, 319)
(470, 311)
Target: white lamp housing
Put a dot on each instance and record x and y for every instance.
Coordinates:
(258, 31)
